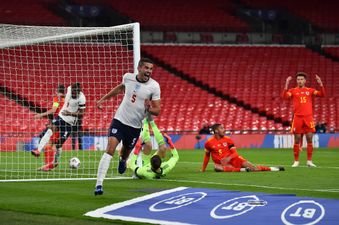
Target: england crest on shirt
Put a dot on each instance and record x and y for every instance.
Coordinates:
(137, 86)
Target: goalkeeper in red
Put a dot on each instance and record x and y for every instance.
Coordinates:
(153, 168)
(303, 122)
(225, 156)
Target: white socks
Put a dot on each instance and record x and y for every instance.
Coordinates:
(103, 167)
(139, 160)
(45, 139)
(274, 169)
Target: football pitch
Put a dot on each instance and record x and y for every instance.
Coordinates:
(65, 202)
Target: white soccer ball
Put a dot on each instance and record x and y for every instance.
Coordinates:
(74, 163)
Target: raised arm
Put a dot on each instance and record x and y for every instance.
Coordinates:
(321, 92)
(114, 92)
(285, 94)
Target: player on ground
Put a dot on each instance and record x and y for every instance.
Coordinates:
(145, 140)
(73, 108)
(225, 155)
(142, 94)
(58, 102)
(153, 168)
(303, 122)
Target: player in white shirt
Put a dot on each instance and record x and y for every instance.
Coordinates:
(72, 110)
(142, 95)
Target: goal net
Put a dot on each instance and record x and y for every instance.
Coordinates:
(34, 60)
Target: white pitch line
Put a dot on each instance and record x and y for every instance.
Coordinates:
(332, 189)
(256, 186)
(188, 181)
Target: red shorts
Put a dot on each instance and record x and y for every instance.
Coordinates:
(237, 161)
(55, 137)
(303, 125)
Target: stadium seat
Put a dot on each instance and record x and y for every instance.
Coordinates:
(254, 75)
(178, 15)
(322, 14)
(29, 12)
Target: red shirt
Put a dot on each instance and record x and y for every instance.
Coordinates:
(58, 102)
(219, 149)
(302, 99)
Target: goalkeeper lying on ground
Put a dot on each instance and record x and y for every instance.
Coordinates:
(154, 168)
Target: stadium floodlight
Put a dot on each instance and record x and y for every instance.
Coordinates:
(34, 60)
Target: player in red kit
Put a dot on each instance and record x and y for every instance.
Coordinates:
(225, 156)
(58, 102)
(303, 123)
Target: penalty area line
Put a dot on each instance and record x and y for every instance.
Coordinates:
(256, 186)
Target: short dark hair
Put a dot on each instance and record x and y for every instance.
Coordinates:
(301, 74)
(156, 162)
(144, 60)
(215, 126)
(61, 89)
(76, 87)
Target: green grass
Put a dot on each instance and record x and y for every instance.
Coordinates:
(65, 202)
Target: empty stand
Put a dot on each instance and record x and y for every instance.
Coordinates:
(16, 118)
(176, 15)
(321, 13)
(186, 107)
(333, 50)
(29, 12)
(254, 75)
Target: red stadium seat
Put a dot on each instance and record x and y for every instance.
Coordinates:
(322, 14)
(176, 15)
(30, 12)
(255, 75)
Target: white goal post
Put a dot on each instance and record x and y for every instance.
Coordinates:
(34, 60)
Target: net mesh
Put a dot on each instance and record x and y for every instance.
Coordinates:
(33, 62)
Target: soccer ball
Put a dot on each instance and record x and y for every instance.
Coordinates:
(74, 163)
